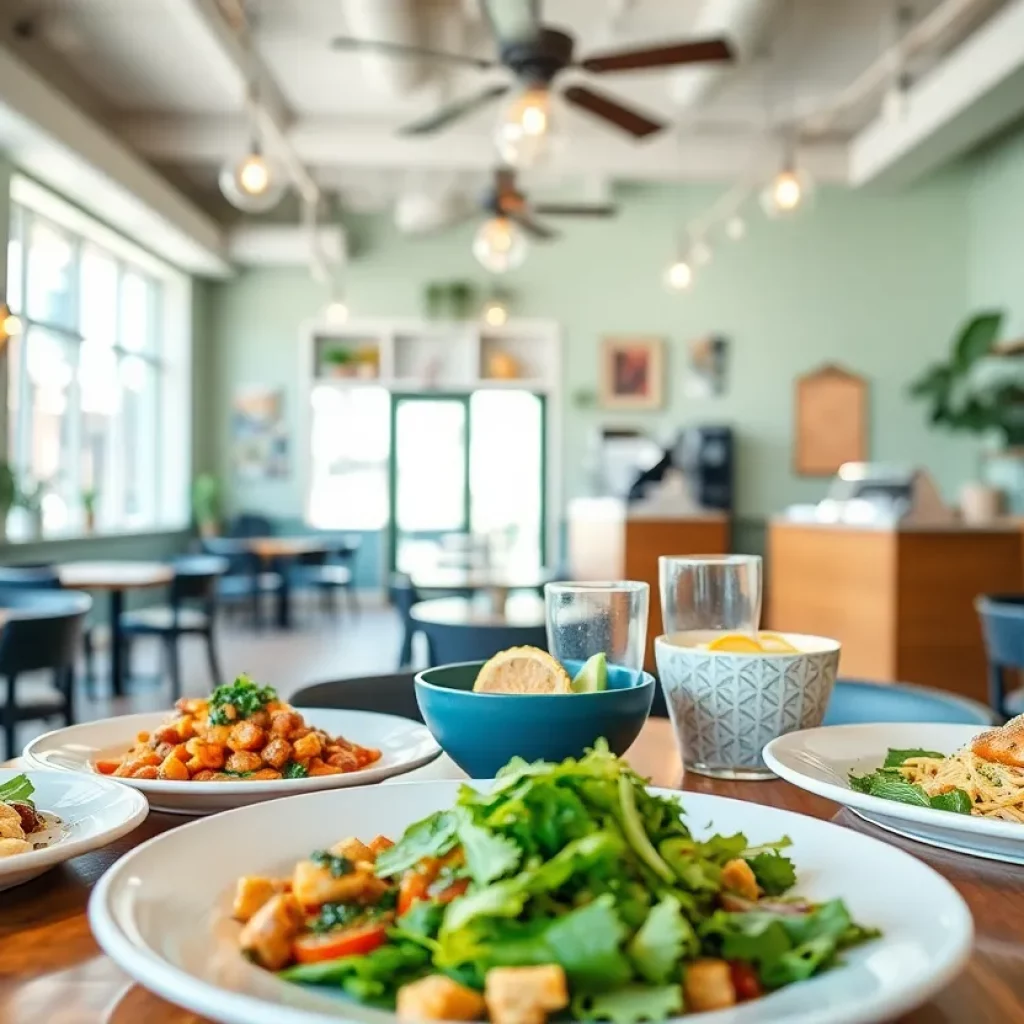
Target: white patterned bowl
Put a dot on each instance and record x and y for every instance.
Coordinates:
(726, 707)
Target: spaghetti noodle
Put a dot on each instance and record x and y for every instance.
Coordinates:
(996, 790)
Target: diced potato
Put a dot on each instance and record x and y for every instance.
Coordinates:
(314, 885)
(208, 755)
(353, 849)
(525, 995)
(243, 761)
(146, 771)
(284, 723)
(217, 734)
(203, 774)
(172, 769)
(379, 844)
(438, 998)
(738, 877)
(251, 893)
(247, 736)
(9, 847)
(11, 827)
(707, 985)
(263, 775)
(277, 753)
(267, 937)
(306, 747)
(344, 760)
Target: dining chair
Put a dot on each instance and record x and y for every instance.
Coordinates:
(246, 581)
(322, 573)
(191, 612)
(250, 524)
(1002, 625)
(856, 701)
(404, 595)
(41, 632)
(44, 576)
(448, 642)
(390, 694)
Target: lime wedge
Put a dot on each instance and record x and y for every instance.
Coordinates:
(593, 676)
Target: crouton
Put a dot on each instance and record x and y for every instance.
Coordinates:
(707, 985)
(525, 995)
(313, 885)
(353, 849)
(267, 937)
(738, 877)
(251, 893)
(438, 998)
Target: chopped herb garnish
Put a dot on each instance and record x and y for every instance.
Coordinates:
(337, 866)
(19, 790)
(236, 775)
(243, 695)
(336, 915)
(294, 770)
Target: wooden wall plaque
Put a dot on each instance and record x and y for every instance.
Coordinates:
(831, 421)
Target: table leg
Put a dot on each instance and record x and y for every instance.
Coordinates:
(116, 666)
(499, 598)
(284, 596)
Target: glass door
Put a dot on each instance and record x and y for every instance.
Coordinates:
(467, 473)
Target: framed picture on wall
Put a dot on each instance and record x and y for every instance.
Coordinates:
(632, 372)
(259, 434)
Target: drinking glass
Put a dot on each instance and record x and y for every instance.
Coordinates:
(720, 593)
(585, 619)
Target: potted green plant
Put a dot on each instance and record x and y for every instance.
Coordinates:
(341, 361)
(979, 389)
(206, 504)
(462, 299)
(89, 499)
(8, 495)
(435, 299)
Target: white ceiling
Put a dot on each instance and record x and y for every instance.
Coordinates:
(167, 78)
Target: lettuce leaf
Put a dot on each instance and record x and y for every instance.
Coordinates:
(374, 977)
(432, 837)
(775, 874)
(895, 758)
(662, 941)
(630, 1004)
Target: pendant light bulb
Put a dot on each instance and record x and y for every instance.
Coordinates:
(336, 312)
(500, 245)
(253, 183)
(495, 313)
(524, 128)
(679, 276)
(735, 227)
(789, 191)
(700, 253)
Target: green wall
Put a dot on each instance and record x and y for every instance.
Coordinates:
(876, 282)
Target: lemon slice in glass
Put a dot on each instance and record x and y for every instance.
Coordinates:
(775, 644)
(736, 643)
(522, 670)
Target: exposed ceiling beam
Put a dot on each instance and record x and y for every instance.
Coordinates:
(239, 68)
(283, 245)
(670, 157)
(977, 90)
(50, 138)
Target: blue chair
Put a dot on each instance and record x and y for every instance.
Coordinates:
(245, 581)
(250, 524)
(1002, 625)
(449, 643)
(326, 572)
(404, 595)
(191, 612)
(855, 701)
(42, 631)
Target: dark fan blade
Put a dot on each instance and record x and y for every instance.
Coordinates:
(565, 210)
(611, 110)
(416, 52)
(697, 52)
(452, 112)
(504, 181)
(531, 227)
(512, 21)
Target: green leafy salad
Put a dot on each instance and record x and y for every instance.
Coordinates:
(572, 885)
(890, 782)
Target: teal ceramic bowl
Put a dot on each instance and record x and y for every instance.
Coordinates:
(481, 732)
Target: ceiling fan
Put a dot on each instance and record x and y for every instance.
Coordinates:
(504, 199)
(536, 54)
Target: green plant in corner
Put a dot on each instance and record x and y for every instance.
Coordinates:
(206, 503)
(8, 494)
(978, 389)
(89, 498)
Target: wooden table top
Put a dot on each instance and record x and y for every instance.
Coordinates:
(286, 547)
(525, 610)
(493, 578)
(114, 575)
(51, 969)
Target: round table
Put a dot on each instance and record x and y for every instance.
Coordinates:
(52, 969)
(497, 582)
(519, 610)
(115, 578)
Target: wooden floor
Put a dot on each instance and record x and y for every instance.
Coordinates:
(318, 649)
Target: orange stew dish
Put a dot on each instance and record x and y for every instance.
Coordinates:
(242, 732)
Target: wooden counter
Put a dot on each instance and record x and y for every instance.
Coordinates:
(901, 601)
(606, 542)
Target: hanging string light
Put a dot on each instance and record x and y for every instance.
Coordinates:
(735, 228)
(789, 190)
(500, 245)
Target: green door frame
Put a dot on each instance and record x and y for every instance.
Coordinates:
(464, 398)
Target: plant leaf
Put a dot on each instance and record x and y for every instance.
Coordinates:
(976, 340)
(630, 1004)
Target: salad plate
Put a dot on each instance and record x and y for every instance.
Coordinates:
(821, 761)
(403, 745)
(165, 912)
(77, 815)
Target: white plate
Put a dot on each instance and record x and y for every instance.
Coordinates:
(162, 911)
(820, 761)
(84, 814)
(403, 744)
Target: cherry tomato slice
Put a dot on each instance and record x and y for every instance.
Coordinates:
(355, 941)
(745, 981)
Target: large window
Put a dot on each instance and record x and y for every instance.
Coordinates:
(98, 378)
